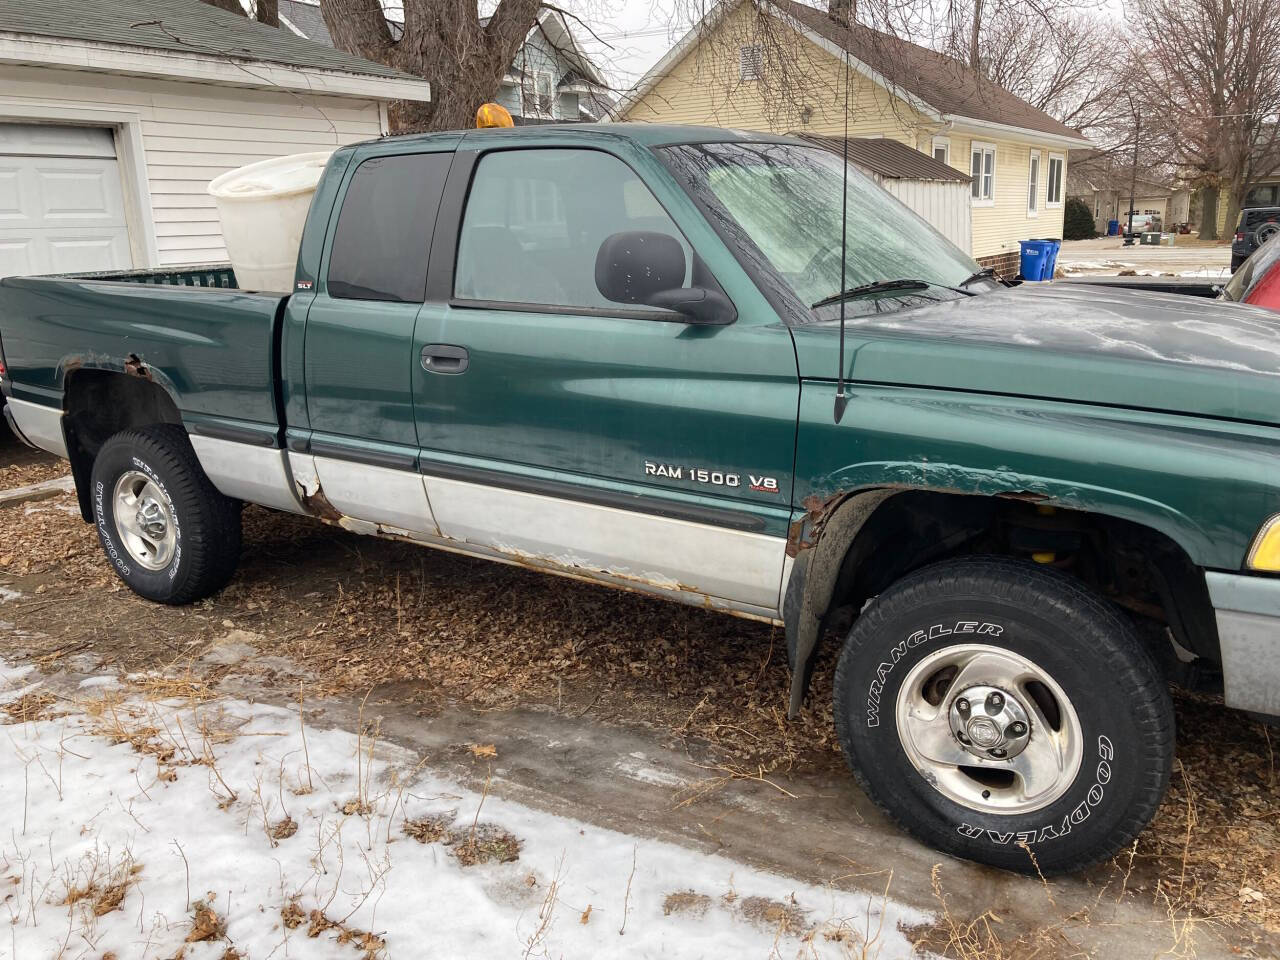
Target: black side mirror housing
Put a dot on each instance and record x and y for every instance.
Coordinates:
(647, 268)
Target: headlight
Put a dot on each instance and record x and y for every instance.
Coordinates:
(1265, 552)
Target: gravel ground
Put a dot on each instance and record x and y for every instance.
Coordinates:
(360, 612)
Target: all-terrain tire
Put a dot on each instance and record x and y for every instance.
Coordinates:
(206, 524)
(1081, 643)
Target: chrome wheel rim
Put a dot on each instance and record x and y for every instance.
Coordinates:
(989, 729)
(144, 521)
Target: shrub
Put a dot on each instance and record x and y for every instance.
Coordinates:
(1077, 221)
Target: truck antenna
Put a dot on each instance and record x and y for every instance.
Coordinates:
(842, 400)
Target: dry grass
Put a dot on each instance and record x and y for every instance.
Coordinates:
(370, 945)
(28, 708)
(430, 829)
(359, 613)
(102, 887)
(1212, 854)
(984, 937)
(483, 843)
(688, 903)
(786, 918)
(206, 924)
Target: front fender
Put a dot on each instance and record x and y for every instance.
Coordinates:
(1205, 484)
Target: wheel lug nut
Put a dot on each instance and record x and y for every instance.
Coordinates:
(1016, 729)
(962, 705)
(995, 701)
(997, 752)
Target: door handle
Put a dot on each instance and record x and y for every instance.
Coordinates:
(445, 358)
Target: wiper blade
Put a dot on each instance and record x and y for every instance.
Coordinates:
(880, 286)
(986, 273)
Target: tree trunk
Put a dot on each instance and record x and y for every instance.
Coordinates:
(1234, 203)
(268, 12)
(443, 42)
(975, 50)
(231, 6)
(1209, 213)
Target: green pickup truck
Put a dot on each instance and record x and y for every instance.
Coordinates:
(614, 353)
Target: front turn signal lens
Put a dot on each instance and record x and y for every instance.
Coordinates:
(1265, 552)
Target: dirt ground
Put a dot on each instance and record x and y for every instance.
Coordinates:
(453, 636)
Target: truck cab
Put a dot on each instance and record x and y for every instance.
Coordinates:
(727, 369)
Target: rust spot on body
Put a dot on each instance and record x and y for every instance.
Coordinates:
(319, 505)
(817, 510)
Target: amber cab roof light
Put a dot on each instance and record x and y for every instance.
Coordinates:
(493, 115)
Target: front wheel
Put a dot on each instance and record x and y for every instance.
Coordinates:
(169, 534)
(1003, 713)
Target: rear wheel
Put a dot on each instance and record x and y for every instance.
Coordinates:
(169, 534)
(1003, 713)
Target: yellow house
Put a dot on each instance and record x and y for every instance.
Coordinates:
(781, 66)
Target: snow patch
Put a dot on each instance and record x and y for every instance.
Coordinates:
(235, 806)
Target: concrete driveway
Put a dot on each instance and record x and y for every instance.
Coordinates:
(1108, 256)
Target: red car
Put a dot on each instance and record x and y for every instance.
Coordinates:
(1258, 279)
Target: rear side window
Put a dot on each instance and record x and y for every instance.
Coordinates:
(535, 220)
(381, 242)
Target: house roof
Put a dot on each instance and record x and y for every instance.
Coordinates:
(940, 86)
(180, 26)
(306, 19)
(887, 158)
(952, 88)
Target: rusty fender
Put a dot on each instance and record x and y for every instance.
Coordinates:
(818, 541)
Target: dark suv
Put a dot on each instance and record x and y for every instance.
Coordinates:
(1257, 226)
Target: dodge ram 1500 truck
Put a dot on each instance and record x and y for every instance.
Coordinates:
(613, 353)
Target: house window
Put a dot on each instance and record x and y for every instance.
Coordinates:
(544, 91)
(942, 149)
(1053, 190)
(982, 167)
(1033, 185)
(750, 62)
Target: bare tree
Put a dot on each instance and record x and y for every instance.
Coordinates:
(446, 41)
(1059, 59)
(1211, 84)
(264, 11)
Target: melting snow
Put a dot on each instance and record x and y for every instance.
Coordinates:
(133, 827)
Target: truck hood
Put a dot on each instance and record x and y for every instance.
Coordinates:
(1153, 351)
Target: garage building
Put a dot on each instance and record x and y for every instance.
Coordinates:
(115, 115)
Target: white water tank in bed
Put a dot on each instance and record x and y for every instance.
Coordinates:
(263, 208)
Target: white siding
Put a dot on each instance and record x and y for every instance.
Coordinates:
(190, 133)
(944, 204)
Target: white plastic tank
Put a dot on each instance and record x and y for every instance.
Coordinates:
(263, 208)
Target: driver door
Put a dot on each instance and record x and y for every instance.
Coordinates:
(562, 429)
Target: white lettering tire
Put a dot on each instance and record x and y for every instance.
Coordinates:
(1004, 713)
(166, 531)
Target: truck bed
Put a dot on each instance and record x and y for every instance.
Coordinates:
(211, 345)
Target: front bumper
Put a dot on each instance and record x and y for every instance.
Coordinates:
(1248, 613)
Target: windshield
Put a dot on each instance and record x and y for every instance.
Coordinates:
(784, 199)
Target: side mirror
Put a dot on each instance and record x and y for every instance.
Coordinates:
(647, 268)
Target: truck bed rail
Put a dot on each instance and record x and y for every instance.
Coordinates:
(197, 275)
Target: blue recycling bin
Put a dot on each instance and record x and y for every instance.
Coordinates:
(1051, 267)
(1113, 228)
(1034, 259)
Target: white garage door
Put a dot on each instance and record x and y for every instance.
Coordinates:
(61, 205)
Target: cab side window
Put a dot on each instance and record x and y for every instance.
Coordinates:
(535, 220)
(381, 242)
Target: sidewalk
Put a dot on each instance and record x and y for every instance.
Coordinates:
(1108, 256)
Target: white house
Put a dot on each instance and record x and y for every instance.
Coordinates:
(115, 115)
